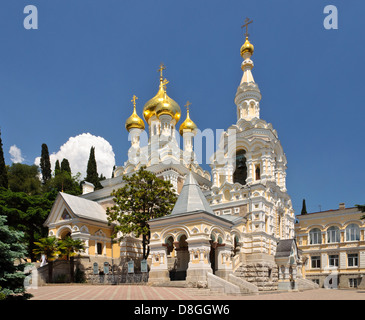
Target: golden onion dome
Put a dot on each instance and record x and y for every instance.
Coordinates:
(188, 125)
(149, 109)
(247, 47)
(134, 121)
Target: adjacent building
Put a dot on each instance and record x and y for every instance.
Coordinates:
(333, 247)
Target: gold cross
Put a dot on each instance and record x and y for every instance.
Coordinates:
(161, 68)
(247, 22)
(188, 103)
(134, 100)
(164, 83)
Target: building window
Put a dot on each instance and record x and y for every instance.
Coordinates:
(353, 232)
(315, 236)
(333, 260)
(257, 172)
(352, 260)
(240, 174)
(99, 248)
(353, 282)
(316, 262)
(333, 235)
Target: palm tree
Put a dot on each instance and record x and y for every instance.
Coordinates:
(71, 247)
(49, 247)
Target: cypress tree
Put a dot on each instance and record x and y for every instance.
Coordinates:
(65, 166)
(304, 208)
(45, 164)
(3, 172)
(92, 172)
(57, 168)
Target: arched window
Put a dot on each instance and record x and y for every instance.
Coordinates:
(333, 234)
(352, 232)
(315, 236)
(240, 174)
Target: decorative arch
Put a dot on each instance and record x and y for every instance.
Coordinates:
(64, 231)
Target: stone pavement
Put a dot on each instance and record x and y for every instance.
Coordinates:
(137, 292)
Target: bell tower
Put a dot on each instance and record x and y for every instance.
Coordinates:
(248, 94)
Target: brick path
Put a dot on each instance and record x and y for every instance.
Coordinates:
(135, 292)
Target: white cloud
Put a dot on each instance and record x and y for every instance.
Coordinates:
(77, 151)
(16, 154)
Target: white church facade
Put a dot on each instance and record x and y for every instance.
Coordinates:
(235, 223)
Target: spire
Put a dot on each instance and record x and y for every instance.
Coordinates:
(191, 198)
(248, 93)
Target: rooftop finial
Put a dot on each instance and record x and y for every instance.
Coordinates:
(247, 22)
(134, 101)
(188, 104)
(160, 69)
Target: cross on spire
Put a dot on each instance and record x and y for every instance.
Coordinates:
(161, 68)
(164, 83)
(188, 104)
(134, 100)
(247, 22)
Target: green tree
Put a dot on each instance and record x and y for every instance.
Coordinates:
(3, 170)
(12, 251)
(27, 213)
(362, 209)
(70, 248)
(67, 183)
(92, 171)
(49, 247)
(45, 164)
(144, 197)
(65, 166)
(24, 178)
(57, 168)
(304, 208)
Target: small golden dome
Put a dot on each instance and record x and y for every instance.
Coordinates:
(247, 47)
(188, 125)
(134, 121)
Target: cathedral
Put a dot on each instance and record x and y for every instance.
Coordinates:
(232, 227)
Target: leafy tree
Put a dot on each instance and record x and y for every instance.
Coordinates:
(92, 172)
(27, 213)
(67, 183)
(24, 178)
(49, 247)
(12, 251)
(69, 248)
(45, 164)
(362, 209)
(144, 197)
(3, 170)
(304, 208)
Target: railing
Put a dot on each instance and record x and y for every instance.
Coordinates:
(131, 278)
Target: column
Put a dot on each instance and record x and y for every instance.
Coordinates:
(224, 260)
(159, 272)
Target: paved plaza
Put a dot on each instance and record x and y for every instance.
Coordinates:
(136, 292)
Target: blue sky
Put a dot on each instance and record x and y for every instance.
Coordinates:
(77, 73)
